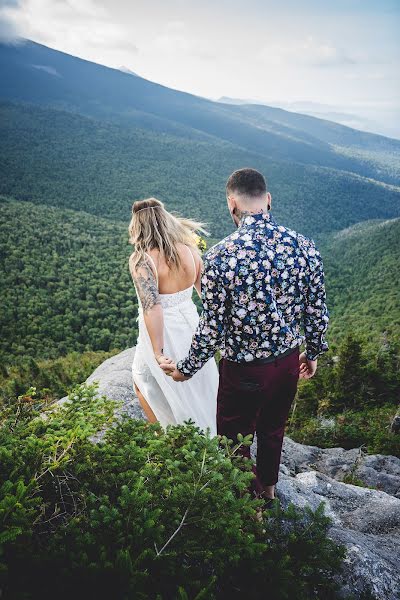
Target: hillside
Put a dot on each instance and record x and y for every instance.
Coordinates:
(63, 159)
(362, 266)
(65, 283)
(81, 142)
(34, 73)
(381, 153)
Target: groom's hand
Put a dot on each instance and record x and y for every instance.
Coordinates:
(307, 367)
(178, 376)
(171, 370)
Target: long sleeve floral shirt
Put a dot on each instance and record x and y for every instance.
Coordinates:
(263, 292)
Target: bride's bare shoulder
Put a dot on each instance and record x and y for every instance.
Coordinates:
(181, 247)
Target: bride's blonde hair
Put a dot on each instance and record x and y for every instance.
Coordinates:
(152, 226)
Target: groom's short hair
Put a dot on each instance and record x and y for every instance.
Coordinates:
(247, 182)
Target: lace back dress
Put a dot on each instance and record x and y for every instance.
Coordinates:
(175, 402)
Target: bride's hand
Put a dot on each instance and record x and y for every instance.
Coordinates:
(168, 368)
(163, 360)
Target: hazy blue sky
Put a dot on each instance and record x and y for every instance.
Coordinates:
(341, 53)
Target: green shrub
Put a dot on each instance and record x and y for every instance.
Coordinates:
(298, 559)
(143, 513)
(53, 377)
(352, 399)
(369, 428)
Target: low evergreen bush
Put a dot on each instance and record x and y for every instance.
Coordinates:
(368, 428)
(91, 507)
(352, 399)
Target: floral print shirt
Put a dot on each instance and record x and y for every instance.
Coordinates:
(263, 292)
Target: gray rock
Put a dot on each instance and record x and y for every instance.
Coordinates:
(378, 471)
(366, 521)
(114, 377)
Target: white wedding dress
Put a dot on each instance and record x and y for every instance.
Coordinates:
(174, 402)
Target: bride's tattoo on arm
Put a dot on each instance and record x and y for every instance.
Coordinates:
(146, 287)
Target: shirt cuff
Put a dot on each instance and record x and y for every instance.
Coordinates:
(183, 367)
(313, 352)
(310, 355)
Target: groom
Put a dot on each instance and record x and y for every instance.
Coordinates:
(262, 287)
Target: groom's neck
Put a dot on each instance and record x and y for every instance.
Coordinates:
(245, 211)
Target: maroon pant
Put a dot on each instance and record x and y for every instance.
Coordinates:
(257, 398)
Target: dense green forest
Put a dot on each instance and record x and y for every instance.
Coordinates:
(362, 267)
(51, 378)
(65, 282)
(66, 160)
(352, 399)
(66, 285)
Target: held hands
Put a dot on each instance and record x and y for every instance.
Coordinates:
(170, 369)
(307, 367)
(162, 360)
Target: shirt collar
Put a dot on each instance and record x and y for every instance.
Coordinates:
(256, 219)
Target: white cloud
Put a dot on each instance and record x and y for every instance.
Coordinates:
(8, 29)
(373, 76)
(175, 39)
(66, 24)
(87, 8)
(306, 52)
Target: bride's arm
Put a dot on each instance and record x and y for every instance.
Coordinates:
(146, 286)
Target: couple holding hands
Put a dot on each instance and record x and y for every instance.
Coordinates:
(263, 295)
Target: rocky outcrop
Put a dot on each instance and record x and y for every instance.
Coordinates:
(377, 470)
(365, 519)
(114, 378)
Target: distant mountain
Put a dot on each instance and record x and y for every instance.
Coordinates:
(313, 109)
(80, 135)
(105, 93)
(64, 159)
(357, 118)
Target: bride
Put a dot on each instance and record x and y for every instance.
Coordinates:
(165, 267)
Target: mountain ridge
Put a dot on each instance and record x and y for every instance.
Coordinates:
(67, 159)
(108, 93)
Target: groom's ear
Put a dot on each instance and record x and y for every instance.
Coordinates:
(231, 203)
(269, 200)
